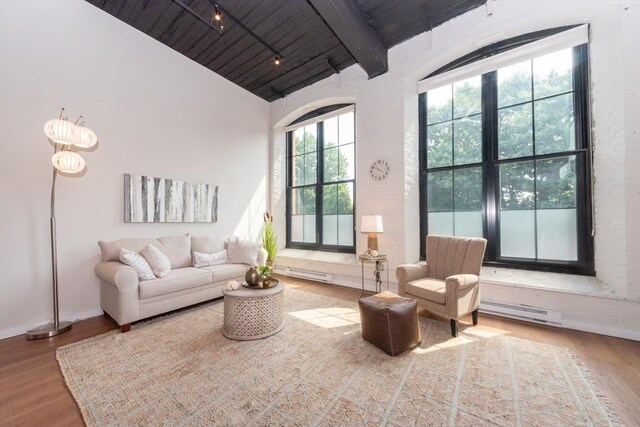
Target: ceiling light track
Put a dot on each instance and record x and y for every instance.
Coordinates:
(219, 11)
(197, 16)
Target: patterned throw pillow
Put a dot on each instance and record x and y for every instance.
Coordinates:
(203, 260)
(137, 261)
(242, 252)
(159, 262)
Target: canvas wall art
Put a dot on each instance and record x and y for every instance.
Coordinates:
(151, 199)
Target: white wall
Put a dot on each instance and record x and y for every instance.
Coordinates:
(155, 113)
(387, 128)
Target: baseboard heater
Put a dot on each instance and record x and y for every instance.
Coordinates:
(308, 274)
(522, 312)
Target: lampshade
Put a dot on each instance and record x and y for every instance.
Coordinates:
(371, 224)
(60, 131)
(85, 137)
(68, 162)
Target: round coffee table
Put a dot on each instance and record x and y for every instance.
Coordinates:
(252, 314)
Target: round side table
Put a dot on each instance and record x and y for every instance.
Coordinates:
(252, 314)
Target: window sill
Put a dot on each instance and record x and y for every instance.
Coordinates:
(318, 256)
(566, 283)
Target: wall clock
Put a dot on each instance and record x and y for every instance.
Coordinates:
(379, 170)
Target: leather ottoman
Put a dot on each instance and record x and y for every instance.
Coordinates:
(390, 322)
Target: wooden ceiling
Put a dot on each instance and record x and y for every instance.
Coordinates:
(315, 38)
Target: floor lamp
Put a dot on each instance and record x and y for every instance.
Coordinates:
(64, 135)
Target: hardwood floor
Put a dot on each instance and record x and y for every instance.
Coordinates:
(33, 391)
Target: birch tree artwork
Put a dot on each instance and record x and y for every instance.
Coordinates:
(150, 199)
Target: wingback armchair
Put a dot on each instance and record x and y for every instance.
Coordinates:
(448, 283)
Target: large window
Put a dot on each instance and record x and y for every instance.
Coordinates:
(321, 182)
(505, 155)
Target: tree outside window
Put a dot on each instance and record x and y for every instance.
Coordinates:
(321, 184)
(502, 161)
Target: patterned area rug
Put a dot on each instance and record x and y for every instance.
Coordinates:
(181, 370)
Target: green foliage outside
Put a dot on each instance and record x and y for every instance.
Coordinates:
(336, 198)
(454, 137)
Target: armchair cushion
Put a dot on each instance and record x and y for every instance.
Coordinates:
(429, 289)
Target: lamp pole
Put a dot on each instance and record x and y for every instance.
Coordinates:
(56, 327)
(63, 134)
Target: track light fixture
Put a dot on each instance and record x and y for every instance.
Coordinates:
(217, 20)
(217, 17)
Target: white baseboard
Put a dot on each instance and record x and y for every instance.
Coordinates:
(579, 325)
(19, 330)
(602, 330)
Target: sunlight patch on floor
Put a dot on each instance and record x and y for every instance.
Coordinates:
(450, 343)
(485, 332)
(329, 317)
(470, 335)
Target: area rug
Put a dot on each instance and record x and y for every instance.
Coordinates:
(318, 371)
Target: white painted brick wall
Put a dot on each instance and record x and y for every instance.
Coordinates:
(387, 125)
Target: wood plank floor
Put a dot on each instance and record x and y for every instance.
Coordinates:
(33, 391)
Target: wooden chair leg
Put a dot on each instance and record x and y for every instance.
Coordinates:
(125, 328)
(474, 316)
(454, 327)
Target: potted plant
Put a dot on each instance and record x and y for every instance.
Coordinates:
(269, 240)
(265, 274)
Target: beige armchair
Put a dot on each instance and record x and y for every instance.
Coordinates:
(448, 283)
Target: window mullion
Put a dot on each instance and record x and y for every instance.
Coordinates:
(289, 149)
(535, 164)
(422, 167)
(583, 159)
(319, 181)
(491, 180)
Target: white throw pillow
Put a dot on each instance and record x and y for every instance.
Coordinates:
(137, 261)
(159, 262)
(242, 252)
(203, 260)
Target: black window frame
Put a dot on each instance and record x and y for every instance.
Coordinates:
(319, 184)
(490, 161)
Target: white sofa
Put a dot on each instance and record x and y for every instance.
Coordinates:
(127, 299)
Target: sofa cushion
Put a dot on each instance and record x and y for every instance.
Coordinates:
(177, 280)
(178, 249)
(243, 252)
(159, 262)
(207, 244)
(223, 272)
(204, 260)
(429, 289)
(136, 261)
(111, 249)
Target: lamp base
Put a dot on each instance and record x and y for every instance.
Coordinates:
(48, 331)
(372, 242)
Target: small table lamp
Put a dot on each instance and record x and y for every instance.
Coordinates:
(372, 224)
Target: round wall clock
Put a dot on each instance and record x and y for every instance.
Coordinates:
(379, 170)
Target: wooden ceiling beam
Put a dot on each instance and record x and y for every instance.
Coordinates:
(347, 22)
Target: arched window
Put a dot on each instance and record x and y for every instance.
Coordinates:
(321, 180)
(505, 152)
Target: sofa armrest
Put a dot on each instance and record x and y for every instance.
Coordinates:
(116, 274)
(462, 294)
(262, 256)
(461, 281)
(409, 272)
(119, 291)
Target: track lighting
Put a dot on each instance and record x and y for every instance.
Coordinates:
(277, 60)
(217, 14)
